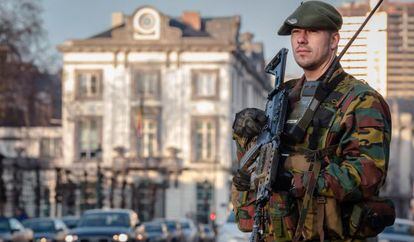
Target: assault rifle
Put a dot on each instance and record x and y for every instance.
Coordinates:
(265, 154)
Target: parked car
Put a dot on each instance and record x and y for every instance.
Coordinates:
(70, 221)
(12, 230)
(402, 230)
(153, 232)
(174, 229)
(47, 229)
(206, 233)
(105, 225)
(229, 232)
(190, 230)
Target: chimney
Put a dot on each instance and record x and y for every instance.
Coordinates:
(192, 19)
(117, 19)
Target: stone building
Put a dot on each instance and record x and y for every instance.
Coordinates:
(151, 101)
(383, 53)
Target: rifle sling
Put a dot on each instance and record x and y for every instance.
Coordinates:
(321, 94)
(310, 178)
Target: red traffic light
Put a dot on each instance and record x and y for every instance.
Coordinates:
(212, 216)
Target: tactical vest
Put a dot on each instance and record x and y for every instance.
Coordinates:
(326, 218)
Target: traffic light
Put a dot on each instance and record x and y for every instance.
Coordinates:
(212, 216)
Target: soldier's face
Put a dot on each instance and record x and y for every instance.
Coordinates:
(313, 48)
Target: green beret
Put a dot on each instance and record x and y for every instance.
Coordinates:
(312, 15)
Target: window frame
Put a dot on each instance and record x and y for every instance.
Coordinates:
(78, 137)
(205, 188)
(54, 147)
(134, 83)
(194, 84)
(149, 115)
(78, 94)
(215, 146)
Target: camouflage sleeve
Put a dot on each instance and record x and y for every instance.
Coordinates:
(237, 197)
(364, 150)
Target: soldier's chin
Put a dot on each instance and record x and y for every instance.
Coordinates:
(307, 65)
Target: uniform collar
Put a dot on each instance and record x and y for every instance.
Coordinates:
(294, 93)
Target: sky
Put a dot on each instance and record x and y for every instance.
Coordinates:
(78, 19)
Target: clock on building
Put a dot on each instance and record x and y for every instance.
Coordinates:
(146, 23)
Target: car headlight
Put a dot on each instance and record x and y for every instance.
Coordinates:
(120, 237)
(43, 240)
(71, 238)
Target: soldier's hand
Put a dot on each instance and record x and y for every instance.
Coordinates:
(241, 180)
(248, 122)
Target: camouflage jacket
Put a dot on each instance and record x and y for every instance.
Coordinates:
(357, 119)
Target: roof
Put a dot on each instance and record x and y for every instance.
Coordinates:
(219, 34)
(217, 30)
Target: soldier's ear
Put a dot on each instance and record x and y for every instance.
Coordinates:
(334, 40)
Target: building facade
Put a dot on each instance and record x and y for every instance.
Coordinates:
(367, 57)
(154, 97)
(383, 53)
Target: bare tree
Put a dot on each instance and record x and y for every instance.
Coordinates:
(23, 61)
(21, 28)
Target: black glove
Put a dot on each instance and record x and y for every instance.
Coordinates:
(248, 122)
(241, 180)
(283, 182)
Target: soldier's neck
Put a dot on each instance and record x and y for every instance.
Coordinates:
(313, 75)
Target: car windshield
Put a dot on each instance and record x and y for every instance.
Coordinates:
(4, 225)
(104, 220)
(399, 228)
(71, 223)
(40, 226)
(152, 228)
(171, 226)
(185, 225)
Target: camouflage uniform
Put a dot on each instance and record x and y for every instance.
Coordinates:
(355, 120)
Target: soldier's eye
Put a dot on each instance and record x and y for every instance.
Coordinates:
(294, 31)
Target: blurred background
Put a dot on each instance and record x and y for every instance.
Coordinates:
(129, 104)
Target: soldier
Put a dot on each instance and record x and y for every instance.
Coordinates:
(349, 135)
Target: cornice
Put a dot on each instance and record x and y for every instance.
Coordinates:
(97, 47)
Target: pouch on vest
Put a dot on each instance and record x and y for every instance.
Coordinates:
(283, 215)
(324, 213)
(244, 214)
(370, 217)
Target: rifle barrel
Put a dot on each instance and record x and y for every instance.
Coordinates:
(359, 30)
